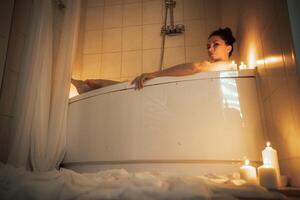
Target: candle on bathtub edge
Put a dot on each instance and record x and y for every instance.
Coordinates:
(234, 65)
(248, 173)
(267, 176)
(270, 159)
(242, 65)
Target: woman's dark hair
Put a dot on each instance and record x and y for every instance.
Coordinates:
(226, 35)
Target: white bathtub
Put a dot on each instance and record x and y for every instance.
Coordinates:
(203, 123)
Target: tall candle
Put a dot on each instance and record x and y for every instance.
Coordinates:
(267, 177)
(270, 159)
(248, 173)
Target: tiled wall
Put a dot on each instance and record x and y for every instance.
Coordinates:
(121, 38)
(17, 38)
(264, 35)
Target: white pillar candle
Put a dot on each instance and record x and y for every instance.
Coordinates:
(248, 173)
(234, 65)
(270, 159)
(267, 177)
(242, 66)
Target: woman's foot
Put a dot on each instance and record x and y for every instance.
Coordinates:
(81, 86)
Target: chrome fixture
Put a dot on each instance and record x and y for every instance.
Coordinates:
(170, 30)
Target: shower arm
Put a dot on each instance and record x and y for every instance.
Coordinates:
(172, 15)
(163, 40)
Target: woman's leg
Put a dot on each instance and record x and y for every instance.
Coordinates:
(99, 83)
(91, 84)
(81, 86)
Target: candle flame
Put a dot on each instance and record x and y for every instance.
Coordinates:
(268, 144)
(233, 62)
(247, 162)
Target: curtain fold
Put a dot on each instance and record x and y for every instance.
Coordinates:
(38, 133)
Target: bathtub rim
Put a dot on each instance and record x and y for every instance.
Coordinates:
(246, 73)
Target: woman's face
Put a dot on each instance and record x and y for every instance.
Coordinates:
(217, 49)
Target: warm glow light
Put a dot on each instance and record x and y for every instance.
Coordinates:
(268, 144)
(247, 162)
(252, 58)
(73, 92)
(269, 60)
(242, 65)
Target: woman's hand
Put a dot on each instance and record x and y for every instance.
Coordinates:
(140, 80)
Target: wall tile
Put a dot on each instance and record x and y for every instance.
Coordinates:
(175, 41)
(91, 66)
(94, 18)
(212, 9)
(132, 38)
(151, 36)
(131, 63)
(263, 82)
(211, 25)
(132, 14)
(152, 12)
(92, 42)
(113, 16)
(174, 56)
(9, 87)
(151, 60)
(283, 121)
(265, 11)
(112, 40)
(195, 33)
(193, 9)
(111, 65)
(196, 53)
(93, 3)
(272, 49)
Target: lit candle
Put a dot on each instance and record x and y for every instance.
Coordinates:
(234, 65)
(242, 66)
(248, 173)
(270, 159)
(267, 177)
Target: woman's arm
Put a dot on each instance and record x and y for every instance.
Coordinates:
(177, 70)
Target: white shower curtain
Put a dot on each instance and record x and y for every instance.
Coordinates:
(38, 131)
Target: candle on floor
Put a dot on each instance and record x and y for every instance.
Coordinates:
(248, 173)
(267, 176)
(270, 159)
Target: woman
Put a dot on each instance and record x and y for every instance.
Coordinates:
(219, 47)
